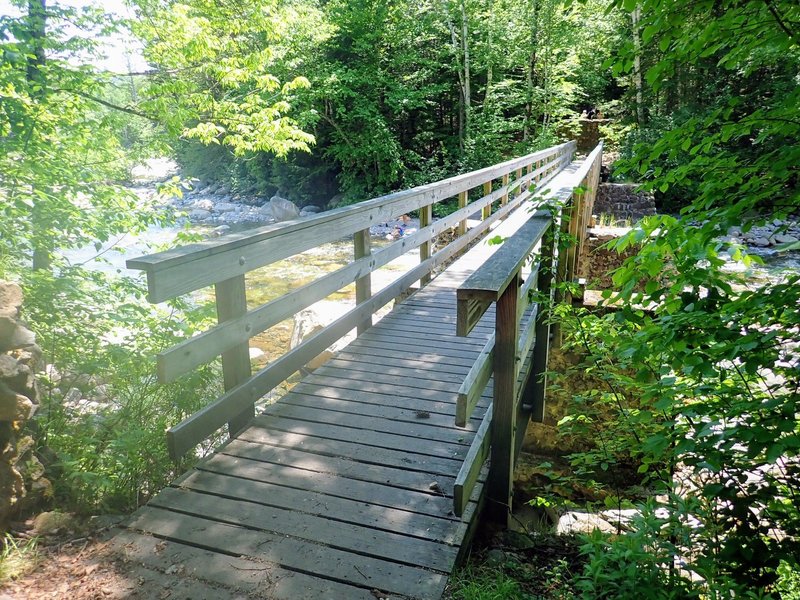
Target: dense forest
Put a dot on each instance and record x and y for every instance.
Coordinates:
(332, 102)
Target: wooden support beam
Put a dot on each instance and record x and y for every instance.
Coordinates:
(504, 199)
(463, 198)
(501, 474)
(487, 210)
(425, 219)
(231, 304)
(534, 394)
(362, 248)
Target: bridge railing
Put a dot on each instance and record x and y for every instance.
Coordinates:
(224, 263)
(516, 355)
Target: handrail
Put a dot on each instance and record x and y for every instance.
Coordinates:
(516, 355)
(224, 262)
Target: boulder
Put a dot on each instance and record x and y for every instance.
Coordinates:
(13, 406)
(312, 320)
(310, 208)
(204, 204)
(583, 522)
(226, 207)
(10, 299)
(283, 209)
(335, 201)
(13, 335)
(199, 214)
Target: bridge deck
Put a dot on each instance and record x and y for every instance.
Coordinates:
(343, 488)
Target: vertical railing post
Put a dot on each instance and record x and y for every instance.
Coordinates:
(501, 474)
(504, 199)
(537, 383)
(463, 198)
(425, 219)
(231, 302)
(362, 246)
(487, 210)
(518, 177)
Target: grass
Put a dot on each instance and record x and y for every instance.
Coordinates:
(17, 558)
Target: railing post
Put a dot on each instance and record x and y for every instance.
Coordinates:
(520, 191)
(537, 383)
(504, 199)
(362, 246)
(425, 219)
(501, 474)
(231, 302)
(487, 210)
(463, 198)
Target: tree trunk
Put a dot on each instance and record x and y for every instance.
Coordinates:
(467, 89)
(637, 64)
(37, 28)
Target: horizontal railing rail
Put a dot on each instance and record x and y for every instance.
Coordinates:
(225, 262)
(516, 354)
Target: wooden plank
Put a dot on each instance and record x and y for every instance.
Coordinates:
(433, 457)
(504, 199)
(475, 382)
(389, 487)
(397, 382)
(192, 267)
(361, 249)
(427, 372)
(386, 398)
(372, 387)
(231, 301)
(372, 360)
(357, 351)
(334, 534)
(501, 474)
(419, 428)
(256, 578)
(399, 414)
(291, 553)
(312, 502)
(468, 474)
(275, 422)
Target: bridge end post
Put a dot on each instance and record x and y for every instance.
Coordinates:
(501, 474)
(362, 246)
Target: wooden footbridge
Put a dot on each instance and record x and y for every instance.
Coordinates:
(367, 479)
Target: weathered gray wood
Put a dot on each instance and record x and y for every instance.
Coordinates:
(487, 210)
(329, 563)
(490, 281)
(334, 534)
(375, 516)
(535, 391)
(463, 199)
(231, 300)
(192, 267)
(528, 333)
(425, 219)
(361, 249)
(468, 474)
(474, 383)
(342, 477)
(396, 416)
(501, 474)
(240, 576)
(419, 428)
(504, 199)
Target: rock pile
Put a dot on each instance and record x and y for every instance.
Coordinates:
(624, 202)
(22, 481)
(774, 233)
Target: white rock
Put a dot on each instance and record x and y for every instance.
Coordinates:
(784, 238)
(204, 204)
(311, 209)
(311, 320)
(199, 214)
(256, 353)
(582, 522)
(283, 209)
(226, 207)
